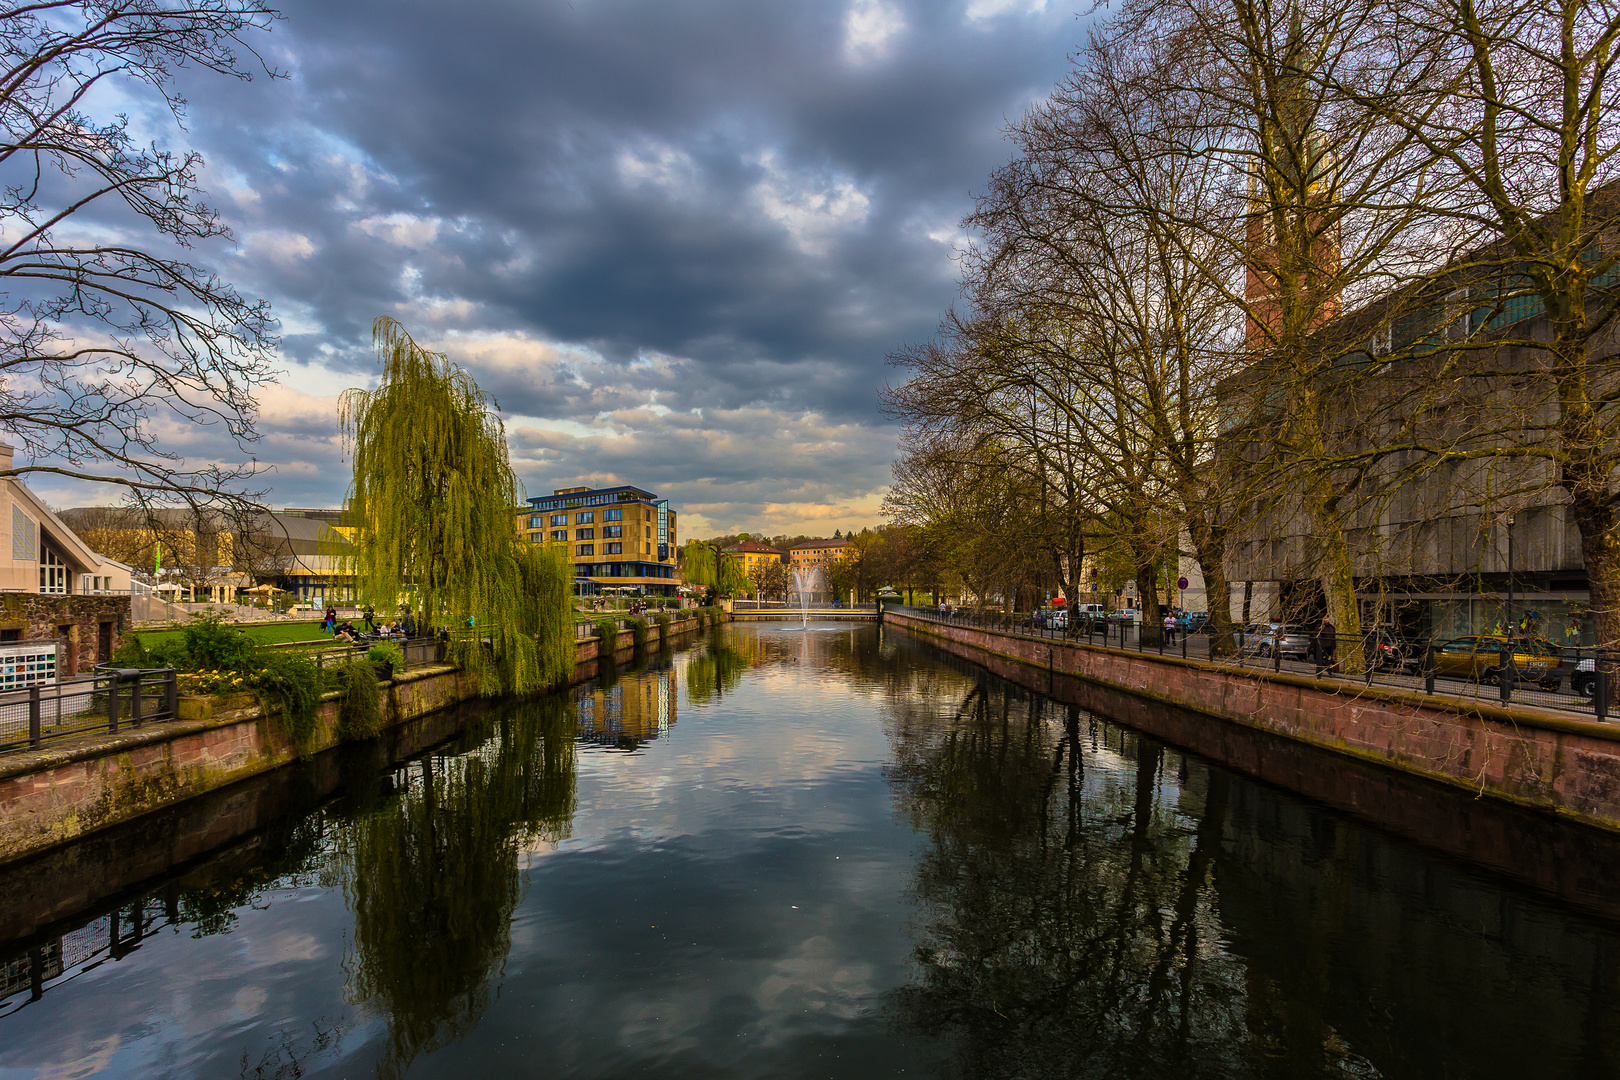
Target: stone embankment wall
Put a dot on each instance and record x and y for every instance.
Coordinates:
(79, 786)
(1528, 757)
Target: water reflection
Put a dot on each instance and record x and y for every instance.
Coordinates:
(718, 668)
(852, 856)
(432, 877)
(1098, 905)
(628, 713)
(426, 856)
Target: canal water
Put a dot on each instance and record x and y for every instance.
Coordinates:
(820, 853)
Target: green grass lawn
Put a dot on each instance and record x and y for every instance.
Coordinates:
(268, 634)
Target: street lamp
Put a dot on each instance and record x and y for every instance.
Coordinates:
(1510, 576)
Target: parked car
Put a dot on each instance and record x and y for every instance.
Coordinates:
(1478, 657)
(1584, 678)
(1288, 640)
(1197, 621)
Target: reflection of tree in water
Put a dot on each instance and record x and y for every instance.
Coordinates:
(718, 668)
(1095, 905)
(1070, 923)
(432, 876)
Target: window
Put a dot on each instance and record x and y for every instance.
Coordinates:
(559, 519)
(1461, 645)
(615, 514)
(612, 549)
(585, 549)
(584, 534)
(613, 530)
(536, 523)
(649, 531)
(52, 573)
(585, 517)
(560, 534)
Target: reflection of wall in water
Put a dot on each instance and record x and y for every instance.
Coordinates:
(1420, 966)
(633, 710)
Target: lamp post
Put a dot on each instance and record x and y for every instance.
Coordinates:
(1510, 576)
(1505, 670)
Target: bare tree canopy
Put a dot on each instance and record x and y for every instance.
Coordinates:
(107, 332)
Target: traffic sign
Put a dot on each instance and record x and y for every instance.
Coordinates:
(1181, 583)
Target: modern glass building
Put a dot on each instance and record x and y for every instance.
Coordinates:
(619, 537)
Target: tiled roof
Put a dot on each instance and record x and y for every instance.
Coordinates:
(822, 544)
(754, 547)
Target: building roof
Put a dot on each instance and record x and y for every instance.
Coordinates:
(822, 543)
(627, 493)
(755, 547)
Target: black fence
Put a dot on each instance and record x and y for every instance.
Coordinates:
(418, 652)
(111, 699)
(1475, 667)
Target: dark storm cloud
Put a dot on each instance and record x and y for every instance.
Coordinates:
(732, 205)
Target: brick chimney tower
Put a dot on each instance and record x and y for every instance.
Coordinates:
(1293, 175)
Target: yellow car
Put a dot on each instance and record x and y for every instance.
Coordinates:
(1478, 657)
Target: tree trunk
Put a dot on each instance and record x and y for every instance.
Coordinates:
(1599, 528)
(1209, 548)
(1151, 627)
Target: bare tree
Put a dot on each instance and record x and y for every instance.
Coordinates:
(1525, 130)
(102, 340)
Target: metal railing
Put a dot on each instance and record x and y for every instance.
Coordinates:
(417, 651)
(1569, 678)
(111, 699)
(587, 628)
(793, 605)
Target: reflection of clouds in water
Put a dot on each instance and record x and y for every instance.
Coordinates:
(818, 981)
(291, 945)
(738, 697)
(98, 1058)
(249, 1000)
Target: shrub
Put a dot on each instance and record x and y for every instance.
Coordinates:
(360, 709)
(290, 681)
(608, 631)
(638, 634)
(663, 620)
(387, 652)
(212, 645)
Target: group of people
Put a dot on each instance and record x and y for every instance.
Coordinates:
(403, 627)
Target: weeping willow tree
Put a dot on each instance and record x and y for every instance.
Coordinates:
(432, 503)
(706, 565)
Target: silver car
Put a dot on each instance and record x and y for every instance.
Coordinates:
(1292, 642)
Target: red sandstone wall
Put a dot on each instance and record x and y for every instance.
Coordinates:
(1525, 756)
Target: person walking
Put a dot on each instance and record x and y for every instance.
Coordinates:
(1326, 646)
(1169, 628)
(331, 620)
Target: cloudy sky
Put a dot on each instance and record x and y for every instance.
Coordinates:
(675, 240)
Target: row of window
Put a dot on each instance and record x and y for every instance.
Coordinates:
(624, 569)
(584, 517)
(607, 549)
(609, 532)
(587, 500)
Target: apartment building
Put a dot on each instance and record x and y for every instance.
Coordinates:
(618, 537)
